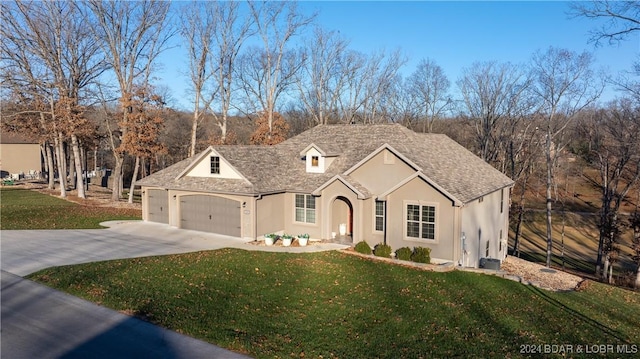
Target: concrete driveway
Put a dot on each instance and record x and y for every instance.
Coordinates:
(27, 251)
(39, 322)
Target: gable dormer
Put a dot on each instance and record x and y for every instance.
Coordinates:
(316, 160)
(211, 164)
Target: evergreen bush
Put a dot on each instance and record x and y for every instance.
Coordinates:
(382, 250)
(404, 253)
(363, 247)
(421, 255)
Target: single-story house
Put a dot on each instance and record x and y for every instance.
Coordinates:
(373, 183)
(19, 156)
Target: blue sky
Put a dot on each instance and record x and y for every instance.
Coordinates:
(454, 34)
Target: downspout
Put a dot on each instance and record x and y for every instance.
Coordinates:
(255, 216)
(384, 229)
(463, 246)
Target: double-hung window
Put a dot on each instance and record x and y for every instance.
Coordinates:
(379, 215)
(421, 221)
(215, 165)
(305, 208)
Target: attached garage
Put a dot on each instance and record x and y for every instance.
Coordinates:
(158, 202)
(211, 214)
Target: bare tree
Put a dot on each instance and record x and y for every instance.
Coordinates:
(198, 31)
(565, 84)
(634, 223)
(230, 33)
(132, 35)
(494, 94)
(370, 82)
(268, 72)
(323, 77)
(52, 37)
(215, 33)
(350, 99)
(621, 18)
(379, 78)
(429, 86)
(403, 105)
(615, 149)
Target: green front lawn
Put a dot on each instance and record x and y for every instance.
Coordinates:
(332, 304)
(26, 209)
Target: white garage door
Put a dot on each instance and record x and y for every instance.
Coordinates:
(210, 214)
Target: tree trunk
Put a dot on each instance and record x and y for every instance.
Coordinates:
(62, 170)
(95, 158)
(78, 166)
(562, 235)
(270, 120)
(43, 152)
(549, 186)
(610, 280)
(637, 284)
(599, 272)
(133, 178)
(51, 172)
(223, 131)
(194, 128)
(604, 213)
(606, 264)
(521, 208)
(116, 191)
(71, 163)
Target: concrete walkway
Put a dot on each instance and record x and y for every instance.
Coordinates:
(39, 322)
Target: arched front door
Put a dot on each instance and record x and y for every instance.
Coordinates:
(342, 219)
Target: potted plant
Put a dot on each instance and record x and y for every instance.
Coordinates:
(269, 239)
(286, 240)
(303, 239)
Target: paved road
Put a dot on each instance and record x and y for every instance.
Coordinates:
(39, 322)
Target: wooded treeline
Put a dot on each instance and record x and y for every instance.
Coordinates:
(79, 78)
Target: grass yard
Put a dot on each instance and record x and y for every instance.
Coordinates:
(580, 246)
(27, 209)
(335, 305)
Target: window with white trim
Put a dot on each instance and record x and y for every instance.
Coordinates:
(501, 200)
(379, 216)
(215, 165)
(305, 208)
(421, 221)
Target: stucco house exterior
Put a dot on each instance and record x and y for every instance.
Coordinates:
(19, 155)
(374, 183)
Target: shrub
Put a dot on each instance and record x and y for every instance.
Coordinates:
(404, 253)
(421, 255)
(382, 250)
(363, 247)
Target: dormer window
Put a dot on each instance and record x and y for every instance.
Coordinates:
(215, 165)
(316, 160)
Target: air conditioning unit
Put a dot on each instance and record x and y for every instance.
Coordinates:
(490, 263)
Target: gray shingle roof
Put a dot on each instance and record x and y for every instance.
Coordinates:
(281, 168)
